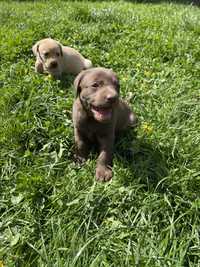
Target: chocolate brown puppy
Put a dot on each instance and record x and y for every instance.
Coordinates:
(98, 114)
(56, 59)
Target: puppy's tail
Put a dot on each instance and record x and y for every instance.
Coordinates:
(88, 64)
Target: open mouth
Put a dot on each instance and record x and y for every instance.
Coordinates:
(102, 113)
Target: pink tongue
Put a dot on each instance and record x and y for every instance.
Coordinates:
(102, 114)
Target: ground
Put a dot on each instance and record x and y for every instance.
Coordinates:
(52, 211)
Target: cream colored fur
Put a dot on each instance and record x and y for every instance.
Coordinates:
(56, 59)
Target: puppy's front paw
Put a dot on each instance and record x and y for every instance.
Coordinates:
(103, 173)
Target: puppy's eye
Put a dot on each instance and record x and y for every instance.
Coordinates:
(57, 54)
(46, 54)
(95, 85)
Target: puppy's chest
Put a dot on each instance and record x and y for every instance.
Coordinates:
(93, 130)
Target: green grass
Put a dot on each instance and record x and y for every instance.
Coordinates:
(52, 212)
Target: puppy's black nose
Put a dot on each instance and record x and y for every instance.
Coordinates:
(53, 64)
(111, 98)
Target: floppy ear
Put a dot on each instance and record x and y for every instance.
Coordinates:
(115, 80)
(61, 52)
(77, 82)
(117, 84)
(60, 46)
(35, 48)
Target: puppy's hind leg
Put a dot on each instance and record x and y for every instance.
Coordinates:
(88, 64)
(132, 119)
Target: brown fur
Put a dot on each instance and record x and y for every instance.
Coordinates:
(56, 59)
(98, 113)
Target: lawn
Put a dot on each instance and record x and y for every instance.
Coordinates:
(52, 211)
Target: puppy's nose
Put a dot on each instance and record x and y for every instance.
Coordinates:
(111, 98)
(53, 64)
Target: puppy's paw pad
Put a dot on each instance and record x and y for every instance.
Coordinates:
(103, 174)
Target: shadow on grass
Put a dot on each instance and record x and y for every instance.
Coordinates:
(183, 2)
(143, 159)
(66, 81)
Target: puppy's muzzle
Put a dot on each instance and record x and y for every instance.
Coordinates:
(53, 65)
(111, 98)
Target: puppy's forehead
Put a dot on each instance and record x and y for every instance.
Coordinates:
(99, 75)
(48, 45)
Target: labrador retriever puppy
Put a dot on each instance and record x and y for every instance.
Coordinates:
(98, 114)
(56, 59)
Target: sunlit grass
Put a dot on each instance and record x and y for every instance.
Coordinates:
(53, 213)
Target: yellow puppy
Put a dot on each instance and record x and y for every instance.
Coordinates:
(56, 59)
